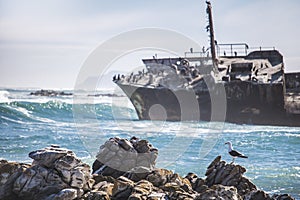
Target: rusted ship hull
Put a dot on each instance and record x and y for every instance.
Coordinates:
(244, 88)
(259, 106)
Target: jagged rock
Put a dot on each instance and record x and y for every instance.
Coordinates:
(141, 190)
(175, 191)
(65, 194)
(282, 197)
(262, 195)
(198, 184)
(96, 195)
(122, 188)
(220, 192)
(219, 172)
(157, 196)
(159, 177)
(118, 156)
(55, 173)
(9, 172)
(257, 195)
(138, 173)
(9, 168)
(99, 178)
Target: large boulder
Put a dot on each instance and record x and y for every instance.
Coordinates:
(55, 173)
(118, 156)
(220, 172)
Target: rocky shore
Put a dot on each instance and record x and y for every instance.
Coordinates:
(123, 169)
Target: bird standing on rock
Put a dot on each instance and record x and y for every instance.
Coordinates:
(234, 153)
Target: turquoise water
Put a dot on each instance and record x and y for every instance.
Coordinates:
(82, 124)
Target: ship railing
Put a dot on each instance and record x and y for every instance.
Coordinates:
(237, 49)
(196, 54)
(234, 49)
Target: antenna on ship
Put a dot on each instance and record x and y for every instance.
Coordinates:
(210, 28)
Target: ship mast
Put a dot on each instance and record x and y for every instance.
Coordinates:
(212, 37)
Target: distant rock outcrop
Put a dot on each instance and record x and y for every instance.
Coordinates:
(124, 169)
(50, 93)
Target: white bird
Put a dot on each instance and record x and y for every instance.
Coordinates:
(234, 153)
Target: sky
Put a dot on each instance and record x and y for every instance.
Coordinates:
(44, 43)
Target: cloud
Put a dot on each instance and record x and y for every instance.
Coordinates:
(75, 30)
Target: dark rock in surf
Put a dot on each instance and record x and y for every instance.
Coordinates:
(50, 93)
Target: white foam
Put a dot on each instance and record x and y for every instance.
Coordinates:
(4, 96)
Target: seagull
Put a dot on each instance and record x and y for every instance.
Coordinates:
(234, 153)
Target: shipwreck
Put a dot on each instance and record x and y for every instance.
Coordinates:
(252, 85)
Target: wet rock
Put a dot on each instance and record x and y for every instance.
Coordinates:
(118, 156)
(220, 192)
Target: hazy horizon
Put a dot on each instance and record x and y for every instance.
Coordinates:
(43, 44)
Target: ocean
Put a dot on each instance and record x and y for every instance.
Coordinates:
(86, 120)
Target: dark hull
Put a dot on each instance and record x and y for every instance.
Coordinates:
(259, 105)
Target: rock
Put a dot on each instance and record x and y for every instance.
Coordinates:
(220, 192)
(141, 190)
(122, 188)
(257, 195)
(198, 184)
(262, 195)
(157, 196)
(99, 178)
(138, 173)
(50, 93)
(104, 187)
(219, 172)
(118, 156)
(96, 195)
(159, 177)
(9, 172)
(175, 191)
(65, 194)
(282, 197)
(56, 173)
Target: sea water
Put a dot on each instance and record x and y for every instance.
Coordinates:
(83, 122)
